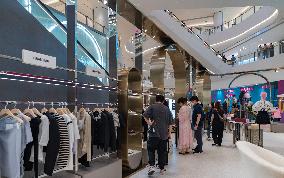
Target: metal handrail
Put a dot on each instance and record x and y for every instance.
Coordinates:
(234, 21)
(191, 31)
(65, 29)
(254, 35)
(87, 17)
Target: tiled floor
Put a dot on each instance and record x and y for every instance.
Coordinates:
(215, 162)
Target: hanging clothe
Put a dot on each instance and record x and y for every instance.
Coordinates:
(26, 139)
(29, 165)
(71, 132)
(52, 148)
(76, 132)
(63, 155)
(84, 145)
(112, 134)
(10, 147)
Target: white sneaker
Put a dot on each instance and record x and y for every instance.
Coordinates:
(162, 171)
(151, 170)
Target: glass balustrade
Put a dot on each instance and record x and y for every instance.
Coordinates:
(261, 53)
(95, 43)
(231, 23)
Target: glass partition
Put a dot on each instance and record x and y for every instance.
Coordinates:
(93, 51)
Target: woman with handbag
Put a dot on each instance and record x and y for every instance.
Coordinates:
(217, 124)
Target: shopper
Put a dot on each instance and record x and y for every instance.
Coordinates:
(185, 131)
(271, 50)
(159, 119)
(233, 59)
(259, 51)
(166, 103)
(217, 124)
(197, 123)
(265, 51)
(208, 118)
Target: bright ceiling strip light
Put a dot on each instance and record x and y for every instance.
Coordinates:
(200, 24)
(252, 28)
(130, 52)
(52, 2)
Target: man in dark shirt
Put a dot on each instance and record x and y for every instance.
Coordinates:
(159, 118)
(197, 123)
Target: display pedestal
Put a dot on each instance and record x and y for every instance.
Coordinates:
(102, 168)
(277, 128)
(282, 118)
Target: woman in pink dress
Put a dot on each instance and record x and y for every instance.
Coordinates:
(185, 131)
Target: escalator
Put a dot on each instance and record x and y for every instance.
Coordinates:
(91, 47)
(189, 41)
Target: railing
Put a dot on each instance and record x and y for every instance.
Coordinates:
(89, 21)
(258, 54)
(252, 10)
(190, 30)
(253, 36)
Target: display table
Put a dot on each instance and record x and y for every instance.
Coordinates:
(259, 162)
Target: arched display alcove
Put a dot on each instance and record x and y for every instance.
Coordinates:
(256, 74)
(130, 106)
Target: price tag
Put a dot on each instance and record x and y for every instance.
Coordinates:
(37, 59)
(95, 72)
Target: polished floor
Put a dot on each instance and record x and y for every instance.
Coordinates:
(215, 162)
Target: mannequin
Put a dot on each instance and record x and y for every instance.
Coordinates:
(262, 109)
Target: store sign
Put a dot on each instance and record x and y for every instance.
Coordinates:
(247, 89)
(37, 59)
(173, 106)
(95, 72)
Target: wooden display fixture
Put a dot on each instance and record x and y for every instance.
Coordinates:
(130, 105)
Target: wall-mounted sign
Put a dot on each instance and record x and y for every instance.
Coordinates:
(173, 106)
(37, 59)
(246, 89)
(265, 87)
(95, 72)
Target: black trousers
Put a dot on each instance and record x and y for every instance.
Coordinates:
(53, 145)
(198, 137)
(153, 144)
(217, 133)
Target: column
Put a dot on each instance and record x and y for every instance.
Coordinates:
(71, 48)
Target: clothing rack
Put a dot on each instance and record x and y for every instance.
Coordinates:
(100, 104)
(30, 78)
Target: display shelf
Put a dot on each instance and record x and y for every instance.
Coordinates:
(130, 106)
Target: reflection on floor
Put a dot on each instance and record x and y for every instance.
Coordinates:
(215, 162)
